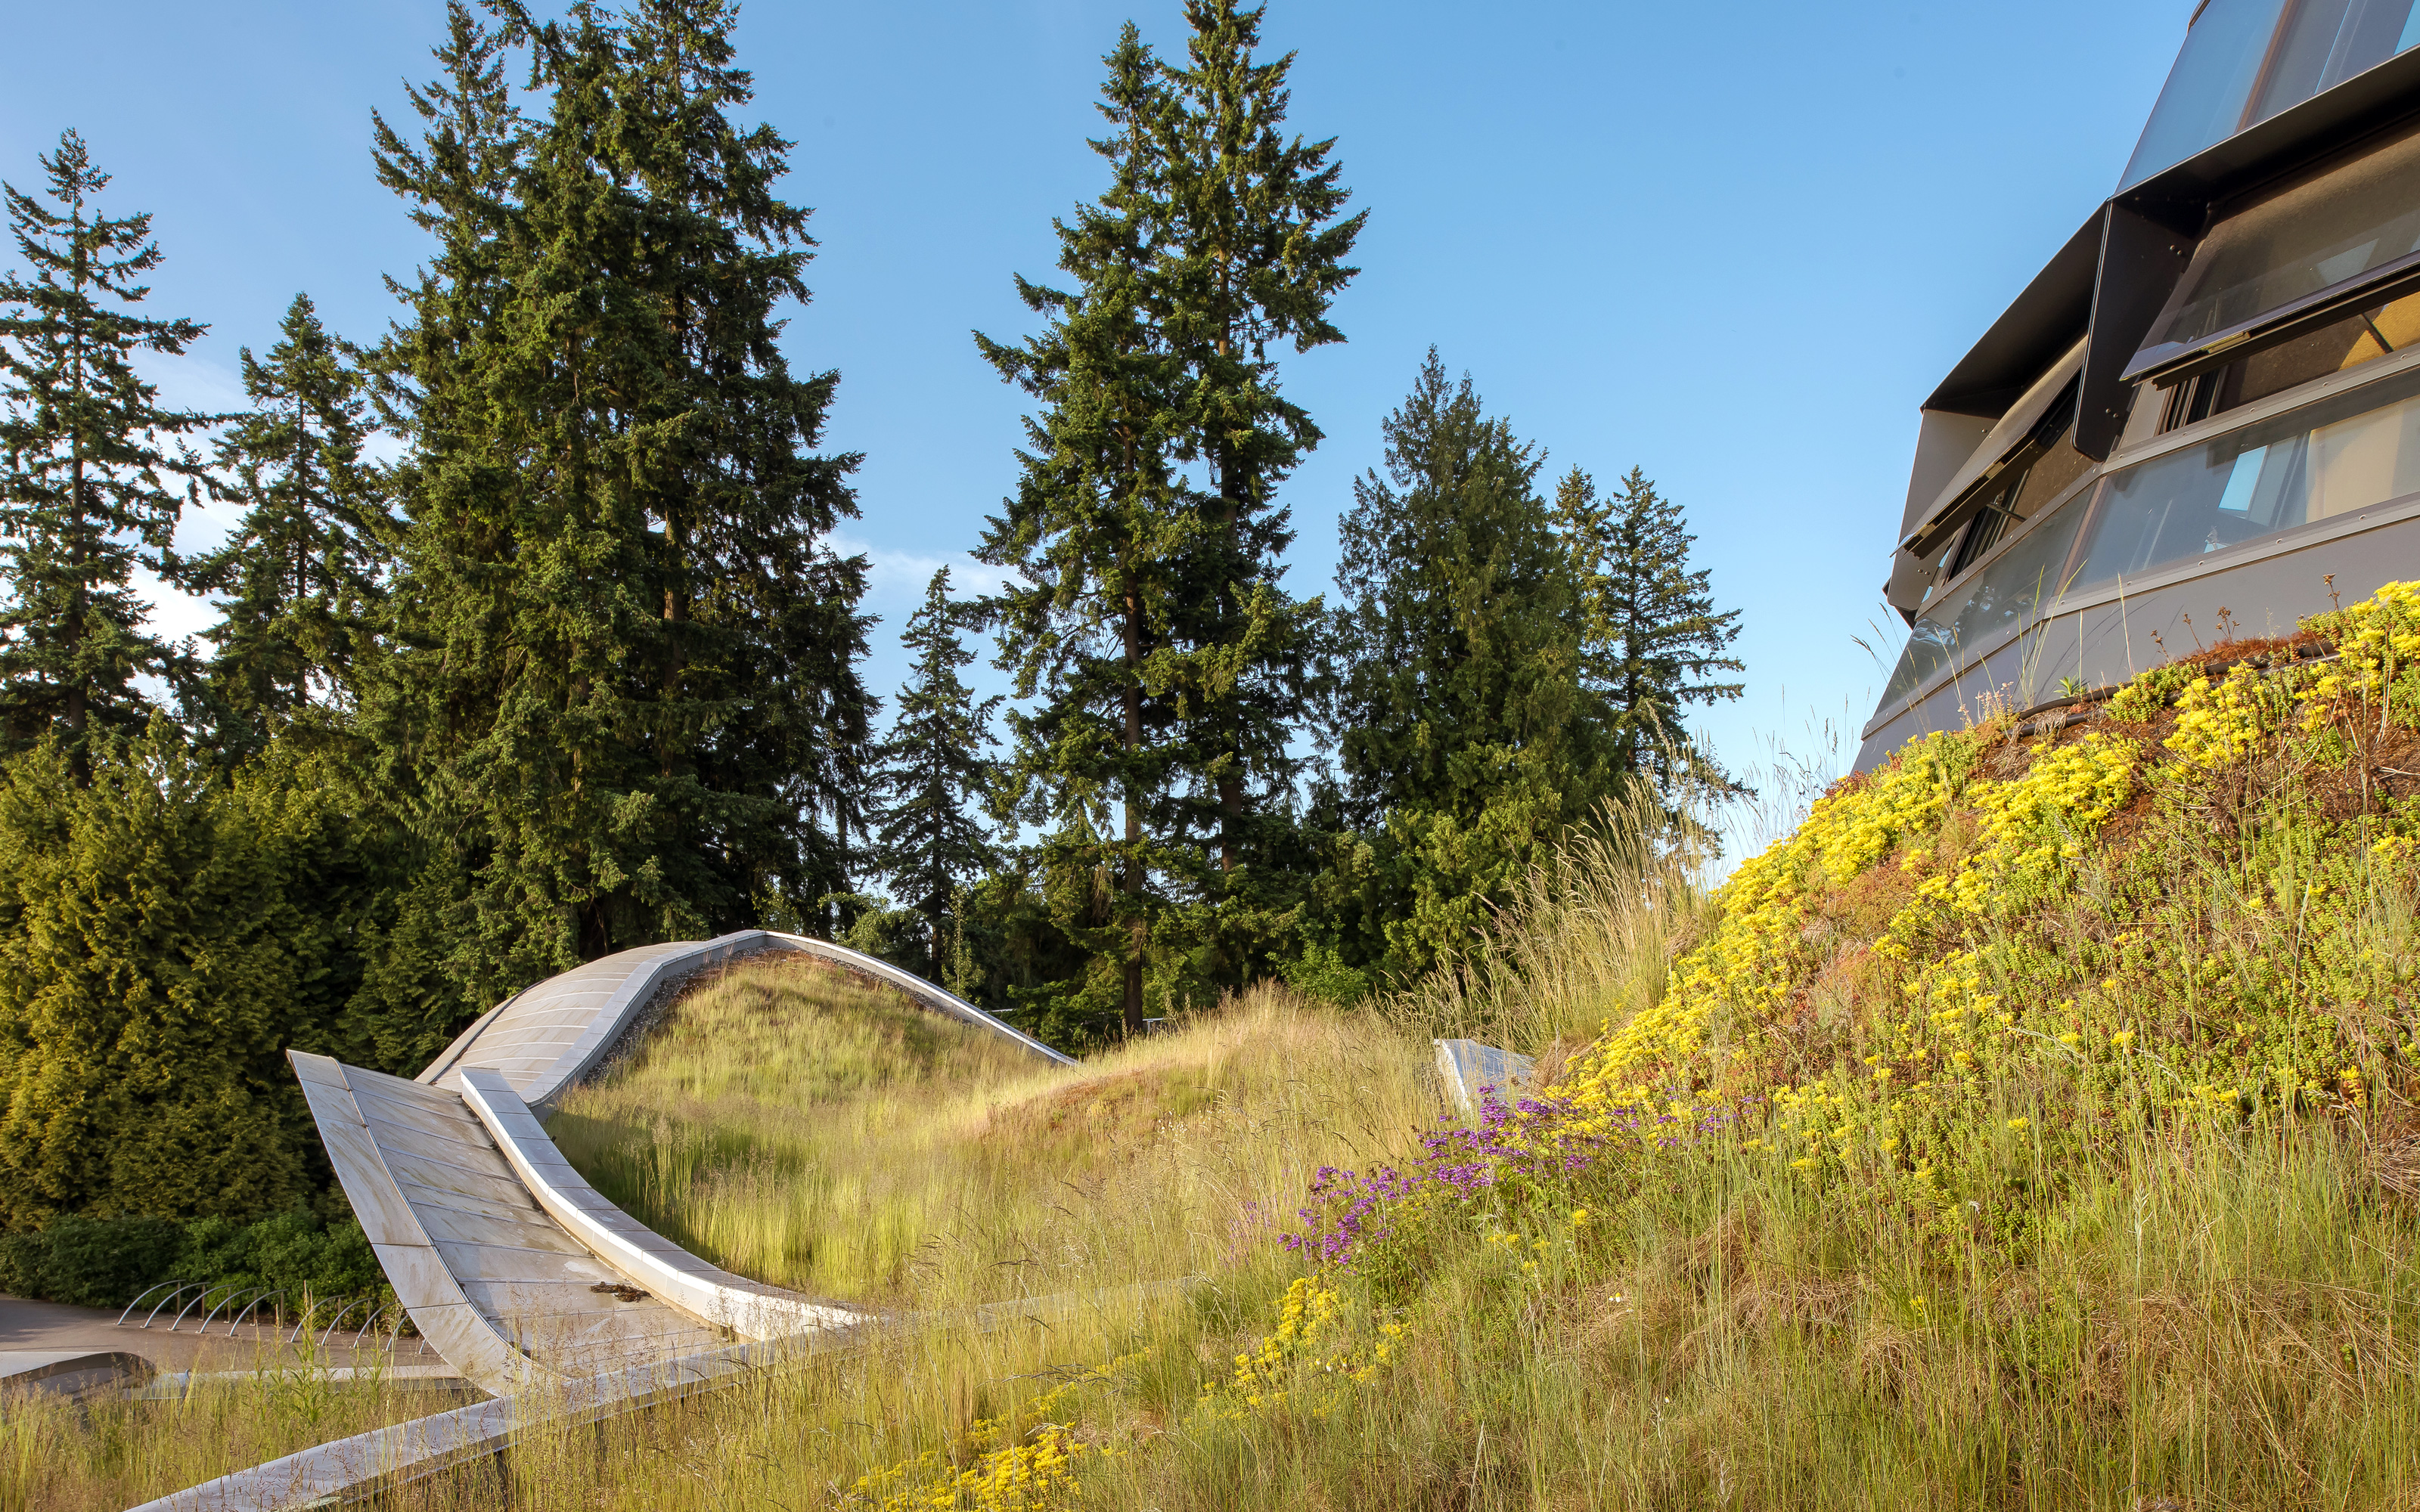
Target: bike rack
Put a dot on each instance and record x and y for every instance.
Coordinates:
(172, 1288)
(227, 1299)
(197, 1302)
(170, 1300)
(339, 1321)
(251, 1306)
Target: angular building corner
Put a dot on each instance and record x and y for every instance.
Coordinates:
(2201, 419)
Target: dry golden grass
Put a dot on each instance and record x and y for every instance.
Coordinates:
(796, 1125)
(60, 1455)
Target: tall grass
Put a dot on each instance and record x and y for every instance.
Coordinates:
(61, 1456)
(786, 1110)
(800, 1127)
(2205, 1322)
(2171, 1259)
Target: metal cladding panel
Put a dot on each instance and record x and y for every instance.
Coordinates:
(488, 1262)
(499, 1287)
(425, 1196)
(2108, 643)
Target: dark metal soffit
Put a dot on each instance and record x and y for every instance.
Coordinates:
(2031, 334)
(2057, 307)
(2377, 98)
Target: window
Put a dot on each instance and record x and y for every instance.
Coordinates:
(2246, 60)
(2327, 459)
(2323, 43)
(2215, 72)
(2009, 590)
(2362, 337)
(2341, 230)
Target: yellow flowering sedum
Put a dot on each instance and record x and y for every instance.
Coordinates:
(2031, 829)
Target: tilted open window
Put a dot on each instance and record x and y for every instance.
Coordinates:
(2312, 254)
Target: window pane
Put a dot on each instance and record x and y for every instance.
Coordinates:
(2227, 56)
(2326, 42)
(2345, 454)
(2337, 226)
(2005, 593)
(2204, 98)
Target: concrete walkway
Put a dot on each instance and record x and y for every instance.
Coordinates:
(52, 1327)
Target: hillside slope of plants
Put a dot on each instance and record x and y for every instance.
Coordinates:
(2031, 1127)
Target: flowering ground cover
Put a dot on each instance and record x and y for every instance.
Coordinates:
(2030, 1127)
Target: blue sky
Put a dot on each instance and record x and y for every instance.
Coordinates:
(1734, 245)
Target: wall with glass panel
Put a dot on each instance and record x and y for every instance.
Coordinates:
(2347, 453)
(2245, 60)
(2344, 453)
(2007, 591)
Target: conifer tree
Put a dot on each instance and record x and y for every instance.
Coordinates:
(1466, 739)
(1097, 532)
(88, 490)
(626, 676)
(303, 571)
(931, 843)
(1651, 643)
(166, 930)
(1255, 256)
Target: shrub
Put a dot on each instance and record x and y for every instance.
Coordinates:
(89, 1263)
(166, 934)
(106, 1262)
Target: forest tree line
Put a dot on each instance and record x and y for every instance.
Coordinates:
(533, 645)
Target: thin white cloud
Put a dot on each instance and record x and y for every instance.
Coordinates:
(896, 579)
(190, 382)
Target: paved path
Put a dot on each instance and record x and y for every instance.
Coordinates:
(52, 1326)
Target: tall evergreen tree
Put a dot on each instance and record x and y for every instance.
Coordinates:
(88, 490)
(167, 932)
(1254, 258)
(626, 678)
(1466, 739)
(303, 571)
(1651, 643)
(1097, 531)
(930, 841)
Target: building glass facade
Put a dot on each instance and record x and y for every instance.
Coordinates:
(2205, 410)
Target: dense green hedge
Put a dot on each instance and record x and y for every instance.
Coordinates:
(104, 1262)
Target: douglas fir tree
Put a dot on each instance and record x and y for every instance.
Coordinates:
(1097, 532)
(626, 685)
(931, 843)
(304, 573)
(1651, 643)
(88, 490)
(1254, 255)
(1467, 741)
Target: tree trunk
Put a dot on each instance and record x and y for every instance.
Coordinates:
(1137, 928)
(1231, 777)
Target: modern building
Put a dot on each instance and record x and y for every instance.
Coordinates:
(2201, 420)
